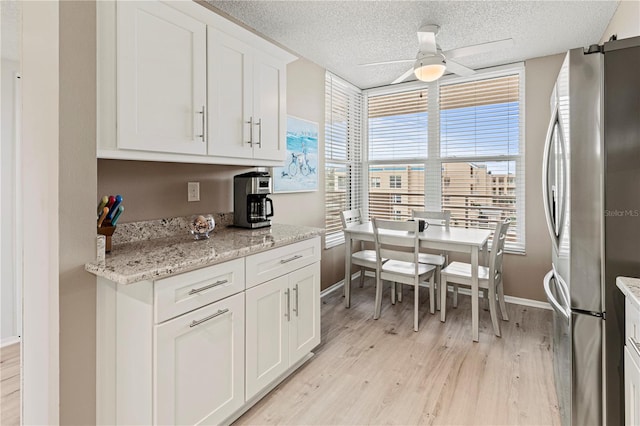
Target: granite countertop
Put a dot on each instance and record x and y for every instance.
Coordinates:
(630, 287)
(131, 261)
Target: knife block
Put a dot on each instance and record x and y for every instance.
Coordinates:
(107, 231)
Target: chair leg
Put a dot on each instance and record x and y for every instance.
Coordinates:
(443, 298)
(438, 280)
(400, 293)
(492, 309)
(393, 293)
(432, 297)
(376, 313)
(416, 303)
(503, 306)
(455, 295)
(485, 296)
(362, 277)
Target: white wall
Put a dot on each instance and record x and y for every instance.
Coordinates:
(39, 149)
(625, 22)
(9, 308)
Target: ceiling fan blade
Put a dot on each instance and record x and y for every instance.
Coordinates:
(395, 61)
(403, 77)
(427, 39)
(456, 68)
(478, 48)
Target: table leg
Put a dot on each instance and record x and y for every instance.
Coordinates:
(347, 271)
(474, 292)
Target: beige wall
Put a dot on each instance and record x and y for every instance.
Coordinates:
(625, 22)
(39, 164)
(77, 212)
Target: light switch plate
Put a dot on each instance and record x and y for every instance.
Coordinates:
(193, 191)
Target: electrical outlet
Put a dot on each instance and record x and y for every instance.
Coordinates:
(193, 191)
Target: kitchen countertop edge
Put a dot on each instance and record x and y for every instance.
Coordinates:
(172, 266)
(630, 287)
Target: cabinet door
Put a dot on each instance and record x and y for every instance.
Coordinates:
(304, 333)
(161, 79)
(268, 308)
(631, 387)
(269, 108)
(230, 76)
(199, 364)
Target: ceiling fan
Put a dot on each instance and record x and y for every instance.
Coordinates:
(431, 62)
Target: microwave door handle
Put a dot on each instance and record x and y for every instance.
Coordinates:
(552, 300)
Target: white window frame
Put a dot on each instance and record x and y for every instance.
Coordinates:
(433, 162)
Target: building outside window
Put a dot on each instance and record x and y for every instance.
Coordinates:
(395, 181)
(375, 181)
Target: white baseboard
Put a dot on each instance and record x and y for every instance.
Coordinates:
(9, 341)
(509, 299)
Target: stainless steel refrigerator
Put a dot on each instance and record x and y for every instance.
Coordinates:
(591, 191)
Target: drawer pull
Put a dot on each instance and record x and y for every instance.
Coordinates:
(217, 314)
(297, 256)
(207, 287)
(635, 345)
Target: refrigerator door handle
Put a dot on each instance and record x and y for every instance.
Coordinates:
(564, 311)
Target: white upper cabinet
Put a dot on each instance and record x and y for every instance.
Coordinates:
(247, 100)
(177, 82)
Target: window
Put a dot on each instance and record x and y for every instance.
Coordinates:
(481, 152)
(343, 154)
(462, 150)
(397, 147)
(375, 181)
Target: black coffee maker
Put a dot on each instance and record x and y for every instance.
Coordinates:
(251, 206)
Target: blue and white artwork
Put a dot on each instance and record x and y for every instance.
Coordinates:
(300, 171)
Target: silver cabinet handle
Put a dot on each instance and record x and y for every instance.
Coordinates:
(250, 123)
(217, 314)
(296, 308)
(635, 345)
(288, 313)
(203, 123)
(297, 256)
(259, 124)
(207, 287)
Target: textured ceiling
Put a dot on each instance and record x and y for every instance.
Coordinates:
(339, 35)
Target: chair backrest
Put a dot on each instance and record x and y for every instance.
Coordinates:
(497, 248)
(351, 217)
(433, 218)
(393, 238)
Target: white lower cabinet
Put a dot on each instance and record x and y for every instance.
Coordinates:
(199, 364)
(197, 347)
(631, 387)
(283, 325)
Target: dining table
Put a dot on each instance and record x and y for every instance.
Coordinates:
(446, 239)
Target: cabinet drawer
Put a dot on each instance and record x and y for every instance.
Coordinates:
(271, 264)
(185, 292)
(632, 322)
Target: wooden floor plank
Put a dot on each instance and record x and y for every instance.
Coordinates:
(10, 385)
(382, 372)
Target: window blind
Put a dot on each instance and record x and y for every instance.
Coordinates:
(398, 125)
(343, 154)
(481, 146)
(397, 136)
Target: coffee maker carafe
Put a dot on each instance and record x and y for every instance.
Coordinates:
(251, 206)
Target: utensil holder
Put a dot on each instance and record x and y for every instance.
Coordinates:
(107, 230)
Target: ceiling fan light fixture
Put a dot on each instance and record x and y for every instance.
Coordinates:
(430, 68)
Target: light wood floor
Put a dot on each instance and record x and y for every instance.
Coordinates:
(382, 372)
(10, 385)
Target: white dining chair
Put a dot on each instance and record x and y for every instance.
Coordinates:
(366, 259)
(489, 278)
(397, 241)
(441, 219)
